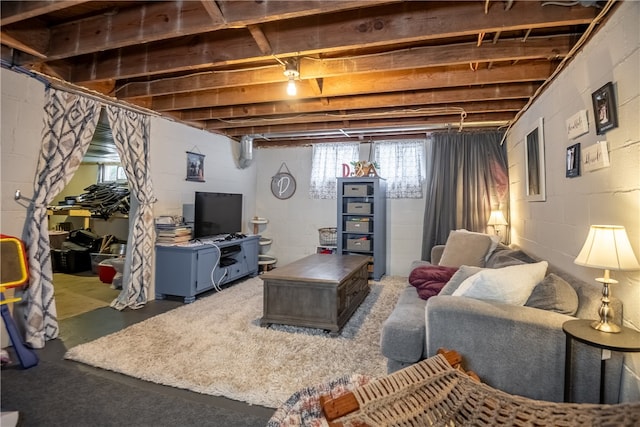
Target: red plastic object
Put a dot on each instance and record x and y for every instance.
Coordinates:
(106, 272)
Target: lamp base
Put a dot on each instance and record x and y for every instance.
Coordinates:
(606, 327)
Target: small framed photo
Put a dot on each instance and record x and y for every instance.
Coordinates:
(195, 167)
(573, 161)
(604, 109)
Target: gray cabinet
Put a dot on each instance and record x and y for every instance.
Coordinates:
(187, 270)
(362, 221)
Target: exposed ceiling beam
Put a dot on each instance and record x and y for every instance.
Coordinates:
(402, 23)
(433, 56)
(17, 44)
(425, 97)
(418, 111)
(362, 84)
(14, 11)
(369, 124)
(164, 20)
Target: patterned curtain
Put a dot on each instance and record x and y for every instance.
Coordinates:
(402, 165)
(326, 165)
(467, 177)
(69, 123)
(131, 135)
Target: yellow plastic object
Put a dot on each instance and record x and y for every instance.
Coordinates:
(14, 270)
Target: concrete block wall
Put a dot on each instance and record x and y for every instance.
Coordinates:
(556, 228)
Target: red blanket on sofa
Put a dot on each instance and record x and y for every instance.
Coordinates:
(430, 279)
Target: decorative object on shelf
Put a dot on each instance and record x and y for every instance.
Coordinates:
(534, 162)
(283, 184)
(595, 157)
(363, 168)
(328, 236)
(497, 219)
(577, 125)
(604, 109)
(195, 167)
(573, 161)
(607, 247)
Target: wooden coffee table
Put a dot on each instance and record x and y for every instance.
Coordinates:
(319, 291)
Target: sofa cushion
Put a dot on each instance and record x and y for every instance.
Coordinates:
(430, 279)
(554, 294)
(465, 248)
(463, 272)
(403, 333)
(505, 257)
(509, 285)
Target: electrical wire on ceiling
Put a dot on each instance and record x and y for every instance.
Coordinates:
(576, 47)
(50, 81)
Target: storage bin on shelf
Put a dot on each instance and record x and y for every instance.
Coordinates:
(328, 236)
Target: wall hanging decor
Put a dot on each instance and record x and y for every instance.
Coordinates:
(534, 163)
(195, 167)
(595, 156)
(573, 161)
(577, 124)
(604, 109)
(283, 184)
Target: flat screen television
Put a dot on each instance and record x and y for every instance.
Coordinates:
(217, 213)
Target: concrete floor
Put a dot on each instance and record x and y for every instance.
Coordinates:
(95, 323)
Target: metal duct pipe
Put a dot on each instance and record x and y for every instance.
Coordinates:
(246, 151)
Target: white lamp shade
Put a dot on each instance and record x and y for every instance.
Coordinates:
(607, 247)
(497, 218)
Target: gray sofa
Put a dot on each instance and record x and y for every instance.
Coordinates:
(517, 349)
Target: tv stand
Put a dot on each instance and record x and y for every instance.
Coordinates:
(187, 270)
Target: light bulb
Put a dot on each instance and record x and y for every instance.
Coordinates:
(291, 87)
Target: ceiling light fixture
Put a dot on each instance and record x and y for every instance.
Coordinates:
(292, 73)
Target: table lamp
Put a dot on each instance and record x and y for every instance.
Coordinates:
(607, 247)
(495, 219)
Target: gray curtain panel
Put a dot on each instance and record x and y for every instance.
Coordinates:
(69, 123)
(467, 176)
(131, 136)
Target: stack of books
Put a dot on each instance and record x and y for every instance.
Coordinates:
(171, 233)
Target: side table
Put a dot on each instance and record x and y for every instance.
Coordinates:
(627, 340)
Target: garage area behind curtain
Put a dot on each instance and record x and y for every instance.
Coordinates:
(131, 136)
(467, 176)
(70, 121)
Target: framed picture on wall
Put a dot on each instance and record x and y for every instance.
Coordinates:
(573, 161)
(534, 164)
(195, 167)
(604, 109)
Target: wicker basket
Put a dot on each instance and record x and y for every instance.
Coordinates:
(328, 236)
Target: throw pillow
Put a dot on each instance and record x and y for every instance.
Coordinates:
(430, 279)
(463, 272)
(554, 294)
(509, 285)
(495, 241)
(503, 259)
(465, 248)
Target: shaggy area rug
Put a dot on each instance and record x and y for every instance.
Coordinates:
(215, 346)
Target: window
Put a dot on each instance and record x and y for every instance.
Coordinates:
(326, 165)
(401, 163)
(111, 173)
